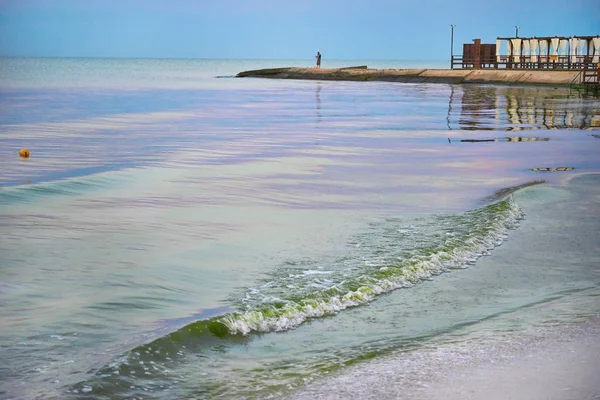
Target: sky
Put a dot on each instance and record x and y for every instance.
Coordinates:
(279, 29)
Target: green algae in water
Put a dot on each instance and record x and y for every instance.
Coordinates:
(461, 240)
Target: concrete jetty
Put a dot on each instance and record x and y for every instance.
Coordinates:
(495, 76)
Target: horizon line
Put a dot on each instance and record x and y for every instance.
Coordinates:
(217, 58)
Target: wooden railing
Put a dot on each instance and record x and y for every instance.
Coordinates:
(586, 82)
(527, 62)
(591, 76)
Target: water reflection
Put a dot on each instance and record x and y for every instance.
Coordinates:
(515, 109)
(450, 108)
(318, 97)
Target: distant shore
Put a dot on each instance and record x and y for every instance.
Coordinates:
(362, 73)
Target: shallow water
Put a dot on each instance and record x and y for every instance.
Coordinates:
(540, 286)
(164, 230)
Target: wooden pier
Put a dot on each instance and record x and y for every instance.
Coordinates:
(546, 53)
(551, 53)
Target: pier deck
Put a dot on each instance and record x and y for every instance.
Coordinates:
(520, 77)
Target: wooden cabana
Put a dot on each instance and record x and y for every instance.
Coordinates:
(552, 52)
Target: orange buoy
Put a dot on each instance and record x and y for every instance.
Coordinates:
(24, 153)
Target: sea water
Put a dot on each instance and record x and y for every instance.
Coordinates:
(181, 233)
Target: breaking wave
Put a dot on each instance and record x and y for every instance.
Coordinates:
(286, 302)
(488, 228)
(393, 254)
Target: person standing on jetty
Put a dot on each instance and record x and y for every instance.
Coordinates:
(318, 57)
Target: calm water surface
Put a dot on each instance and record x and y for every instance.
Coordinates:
(181, 233)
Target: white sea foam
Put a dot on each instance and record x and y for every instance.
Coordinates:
(489, 229)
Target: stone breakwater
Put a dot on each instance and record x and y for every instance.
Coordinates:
(502, 76)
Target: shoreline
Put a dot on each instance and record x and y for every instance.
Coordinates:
(558, 363)
(562, 366)
(456, 76)
(547, 349)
